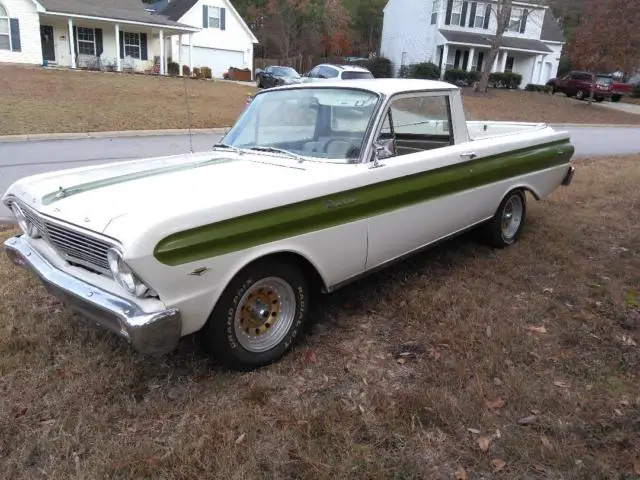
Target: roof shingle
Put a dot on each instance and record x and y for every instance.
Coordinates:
(485, 40)
(125, 10)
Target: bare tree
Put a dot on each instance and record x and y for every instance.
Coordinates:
(501, 11)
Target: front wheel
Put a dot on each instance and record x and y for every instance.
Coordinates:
(505, 227)
(258, 316)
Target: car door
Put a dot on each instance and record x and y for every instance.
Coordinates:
(423, 184)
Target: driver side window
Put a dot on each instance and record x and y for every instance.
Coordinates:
(418, 123)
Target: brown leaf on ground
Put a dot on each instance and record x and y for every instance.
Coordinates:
(537, 329)
(460, 474)
(496, 404)
(530, 420)
(561, 383)
(498, 464)
(484, 442)
(636, 466)
(546, 442)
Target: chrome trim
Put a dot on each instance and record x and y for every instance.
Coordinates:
(154, 333)
(566, 181)
(74, 244)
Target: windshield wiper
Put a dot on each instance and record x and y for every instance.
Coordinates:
(231, 147)
(279, 150)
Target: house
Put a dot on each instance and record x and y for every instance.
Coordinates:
(458, 33)
(224, 39)
(122, 34)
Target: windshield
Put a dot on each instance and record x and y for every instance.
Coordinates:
(352, 75)
(285, 72)
(327, 124)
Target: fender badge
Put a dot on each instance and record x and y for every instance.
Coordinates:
(198, 272)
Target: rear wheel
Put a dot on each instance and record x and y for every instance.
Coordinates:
(580, 94)
(505, 227)
(616, 98)
(259, 315)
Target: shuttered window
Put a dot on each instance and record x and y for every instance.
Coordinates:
(5, 30)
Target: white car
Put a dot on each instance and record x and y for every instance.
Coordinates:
(315, 186)
(328, 71)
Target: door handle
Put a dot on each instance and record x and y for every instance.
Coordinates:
(469, 155)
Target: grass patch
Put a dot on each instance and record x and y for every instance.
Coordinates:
(520, 363)
(38, 100)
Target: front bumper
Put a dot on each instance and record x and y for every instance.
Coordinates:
(154, 333)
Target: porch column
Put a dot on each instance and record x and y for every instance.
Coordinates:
(503, 64)
(118, 60)
(540, 58)
(161, 39)
(472, 52)
(445, 55)
(180, 55)
(72, 49)
(494, 67)
(191, 53)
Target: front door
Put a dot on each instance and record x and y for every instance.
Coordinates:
(46, 38)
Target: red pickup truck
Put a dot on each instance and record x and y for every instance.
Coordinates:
(580, 84)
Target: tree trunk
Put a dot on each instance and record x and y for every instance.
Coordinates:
(593, 89)
(483, 84)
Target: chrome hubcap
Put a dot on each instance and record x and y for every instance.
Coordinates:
(265, 314)
(511, 217)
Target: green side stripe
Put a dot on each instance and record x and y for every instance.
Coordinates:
(323, 212)
(52, 197)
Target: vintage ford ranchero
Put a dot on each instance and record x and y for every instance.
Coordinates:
(314, 186)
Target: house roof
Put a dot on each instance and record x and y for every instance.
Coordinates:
(124, 10)
(175, 9)
(551, 31)
(485, 40)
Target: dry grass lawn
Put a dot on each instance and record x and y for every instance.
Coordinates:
(460, 363)
(36, 100)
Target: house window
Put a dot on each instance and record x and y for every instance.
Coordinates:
(214, 17)
(479, 18)
(515, 20)
(132, 45)
(456, 13)
(5, 31)
(86, 41)
(508, 67)
(434, 11)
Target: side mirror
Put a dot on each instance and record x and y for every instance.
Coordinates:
(383, 148)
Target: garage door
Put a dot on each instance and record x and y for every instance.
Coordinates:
(217, 60)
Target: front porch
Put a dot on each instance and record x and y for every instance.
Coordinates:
(470, 52)
(111, 45)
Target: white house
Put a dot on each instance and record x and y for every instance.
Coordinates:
(224, 39)
(122, 34)
(457, 34)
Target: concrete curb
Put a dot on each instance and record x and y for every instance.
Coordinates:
(117, 134)
(593, 125)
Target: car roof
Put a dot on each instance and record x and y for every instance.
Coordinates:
(354, 68)
(384, 86)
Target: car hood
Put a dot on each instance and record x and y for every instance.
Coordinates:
(153, 190)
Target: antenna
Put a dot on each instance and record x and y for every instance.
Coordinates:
(186, 101)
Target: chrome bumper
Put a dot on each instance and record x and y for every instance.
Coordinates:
(153, 333)
(566, 181)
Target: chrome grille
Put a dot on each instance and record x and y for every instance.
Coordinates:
(75, 246)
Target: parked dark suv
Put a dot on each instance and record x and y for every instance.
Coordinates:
(580, 84)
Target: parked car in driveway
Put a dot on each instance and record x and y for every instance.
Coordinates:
(275, 75)
(315, 186)
(580, 84)
(328, 71)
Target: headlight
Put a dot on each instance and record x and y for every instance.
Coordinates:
(27, 227)
(123, 274)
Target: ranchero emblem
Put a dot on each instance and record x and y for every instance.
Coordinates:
(331, 204)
